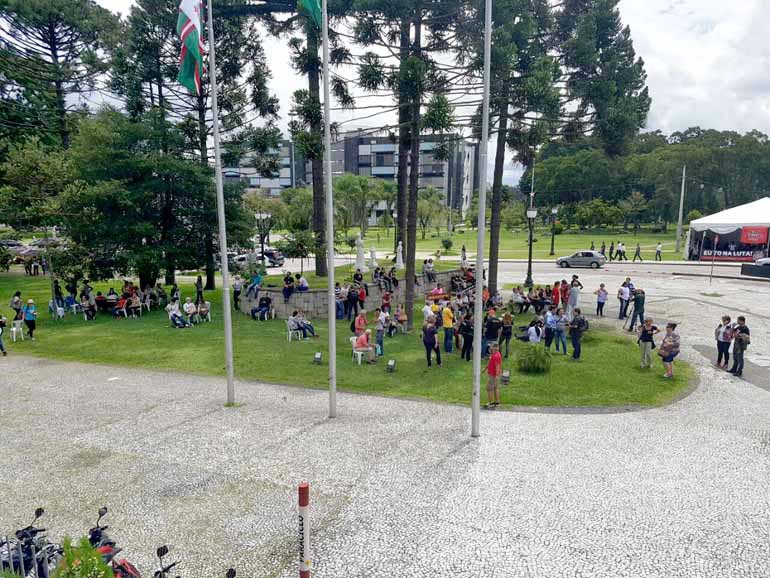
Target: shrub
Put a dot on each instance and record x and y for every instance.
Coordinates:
(694, 215)
(82, 561)
(447, 243)
(534, 359)
(558, 229)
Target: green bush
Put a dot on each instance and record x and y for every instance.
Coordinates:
(82, 561)
(694, 215)
(558, 229)
(447, 243)
(534, 359)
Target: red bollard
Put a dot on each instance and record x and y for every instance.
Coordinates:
(304, 530)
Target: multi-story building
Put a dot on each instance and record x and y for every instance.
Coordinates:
(364, 154)
(289, 175)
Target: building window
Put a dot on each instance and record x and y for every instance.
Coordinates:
(364, 159)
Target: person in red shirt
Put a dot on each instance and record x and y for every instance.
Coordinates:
(361, 323)
(556, 294)
(494, 371)
(564, 291)
(362, 298)
(386, 302)
(363, 344)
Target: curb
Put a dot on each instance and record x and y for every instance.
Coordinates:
(732, 277)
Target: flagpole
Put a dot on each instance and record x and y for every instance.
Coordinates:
(227, 309)
(332, 313)
(481, 229)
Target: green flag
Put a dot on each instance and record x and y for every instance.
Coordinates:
(188, 26)
(313, 8)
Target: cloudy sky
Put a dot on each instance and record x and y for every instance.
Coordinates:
(706, 60)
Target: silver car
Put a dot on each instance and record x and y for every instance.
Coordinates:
(592, 259)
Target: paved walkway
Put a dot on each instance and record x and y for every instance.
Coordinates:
(399, 488)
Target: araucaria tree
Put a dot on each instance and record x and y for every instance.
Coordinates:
(51, 52)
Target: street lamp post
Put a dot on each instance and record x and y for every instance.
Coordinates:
(531, 216)
(263, 220)
(554, 212)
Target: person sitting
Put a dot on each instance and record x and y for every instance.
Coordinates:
(301, 283)
(262, 311)
(203, 310)
(175, 315)
(304, 324)
(393, 275)
(363, 344)
(161, 294)
(120, 306)
(191, 311)
(497, 300)
(134, 305)
(255, 285)
(534, 332)
(385, 302)
(101, 301)
(437, 291)
(377, 277)
(85, 305)
(359, 325)
(149, 294)
(387, 281)
(288, 287)
(295, 324)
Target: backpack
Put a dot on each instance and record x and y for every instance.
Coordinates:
(582, 324)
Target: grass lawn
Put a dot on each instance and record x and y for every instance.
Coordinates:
(514, 245)
(262, 353)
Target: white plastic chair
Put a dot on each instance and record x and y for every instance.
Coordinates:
(146, 304)
(357, 356)
(55, 310)
(16, 329)
(291, 333)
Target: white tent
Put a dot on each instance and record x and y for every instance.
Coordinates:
(756, 214)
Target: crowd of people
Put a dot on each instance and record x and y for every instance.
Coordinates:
(619, 252)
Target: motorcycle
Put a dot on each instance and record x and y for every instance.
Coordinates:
(30, 554)
(106, 546)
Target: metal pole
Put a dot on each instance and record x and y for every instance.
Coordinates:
(480, 229)
(226, 311)
(681, 210)
(332, 314)
(528, 282)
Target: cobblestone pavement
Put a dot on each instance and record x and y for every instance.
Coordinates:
(398, 487)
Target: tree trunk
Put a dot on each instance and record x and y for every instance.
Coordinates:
(148, 278)
(208, 240)
(497, 190)
(404, 136)
(319, 200)
(61, 104)
(414, 176)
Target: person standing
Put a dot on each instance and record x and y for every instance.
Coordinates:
(3, 325)
(556, 294)
(550, 326)
(724, 336)
(638, 253)
(560, 332)
(601, 299)
(593, 246)
(574, 299)
(380, 321)
(199, 289)
(639, 298)
(577, 327)
(659, 251)
(494, 371)
(491, 332)
(623, 296)
(466, 332)
(30, 318)
(430, 341)
(506, 332)
(612, 251)
(741, 342)
(237, 288)
(360, 323)
(647, 332)
(58, 296)
(448, 323)
(603, 249)
(669, 349)
(351, 303)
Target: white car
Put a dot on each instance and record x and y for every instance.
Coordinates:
(763, 262)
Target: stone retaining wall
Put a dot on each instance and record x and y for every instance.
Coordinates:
(314, 301)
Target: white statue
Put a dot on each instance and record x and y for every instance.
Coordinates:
(400, 257)
(360, 258)
(372, 259)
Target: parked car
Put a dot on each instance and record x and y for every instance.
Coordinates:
(45, 242)
(763, 262)
(12, 245)
(592, 259)
(273, 258)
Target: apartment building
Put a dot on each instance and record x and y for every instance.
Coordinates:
(290, 174)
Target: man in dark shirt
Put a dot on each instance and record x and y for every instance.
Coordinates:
(638, 299)
(262, 310)
(741, 340)
(492, 328)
